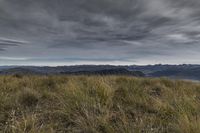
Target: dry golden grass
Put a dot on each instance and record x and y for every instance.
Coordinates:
(98, 104)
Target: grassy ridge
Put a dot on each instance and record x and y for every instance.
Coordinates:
(98, 104)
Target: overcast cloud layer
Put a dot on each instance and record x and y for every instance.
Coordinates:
(63, 32)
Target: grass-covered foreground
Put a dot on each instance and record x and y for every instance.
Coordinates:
(96, 104)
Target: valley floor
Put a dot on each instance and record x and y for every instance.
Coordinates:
(98, 104)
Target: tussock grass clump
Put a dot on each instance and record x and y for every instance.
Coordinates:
(28, 97)
(98, 104)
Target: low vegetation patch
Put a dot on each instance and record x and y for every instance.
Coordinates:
(98, 104)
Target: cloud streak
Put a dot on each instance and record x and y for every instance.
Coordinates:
(5, 43)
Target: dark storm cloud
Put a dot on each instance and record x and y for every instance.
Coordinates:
(105, 30)
(2, 49)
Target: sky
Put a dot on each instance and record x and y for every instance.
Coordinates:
(116, 32)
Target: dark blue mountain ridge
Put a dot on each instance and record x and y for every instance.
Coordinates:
(184, 71)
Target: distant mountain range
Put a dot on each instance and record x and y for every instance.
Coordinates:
(191, 72)
(187, 72)
(114, 71)
(75, 70)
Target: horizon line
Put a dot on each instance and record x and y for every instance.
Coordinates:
(24, 65)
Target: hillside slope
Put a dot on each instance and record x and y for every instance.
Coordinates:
(98, 104)
(192, 73)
